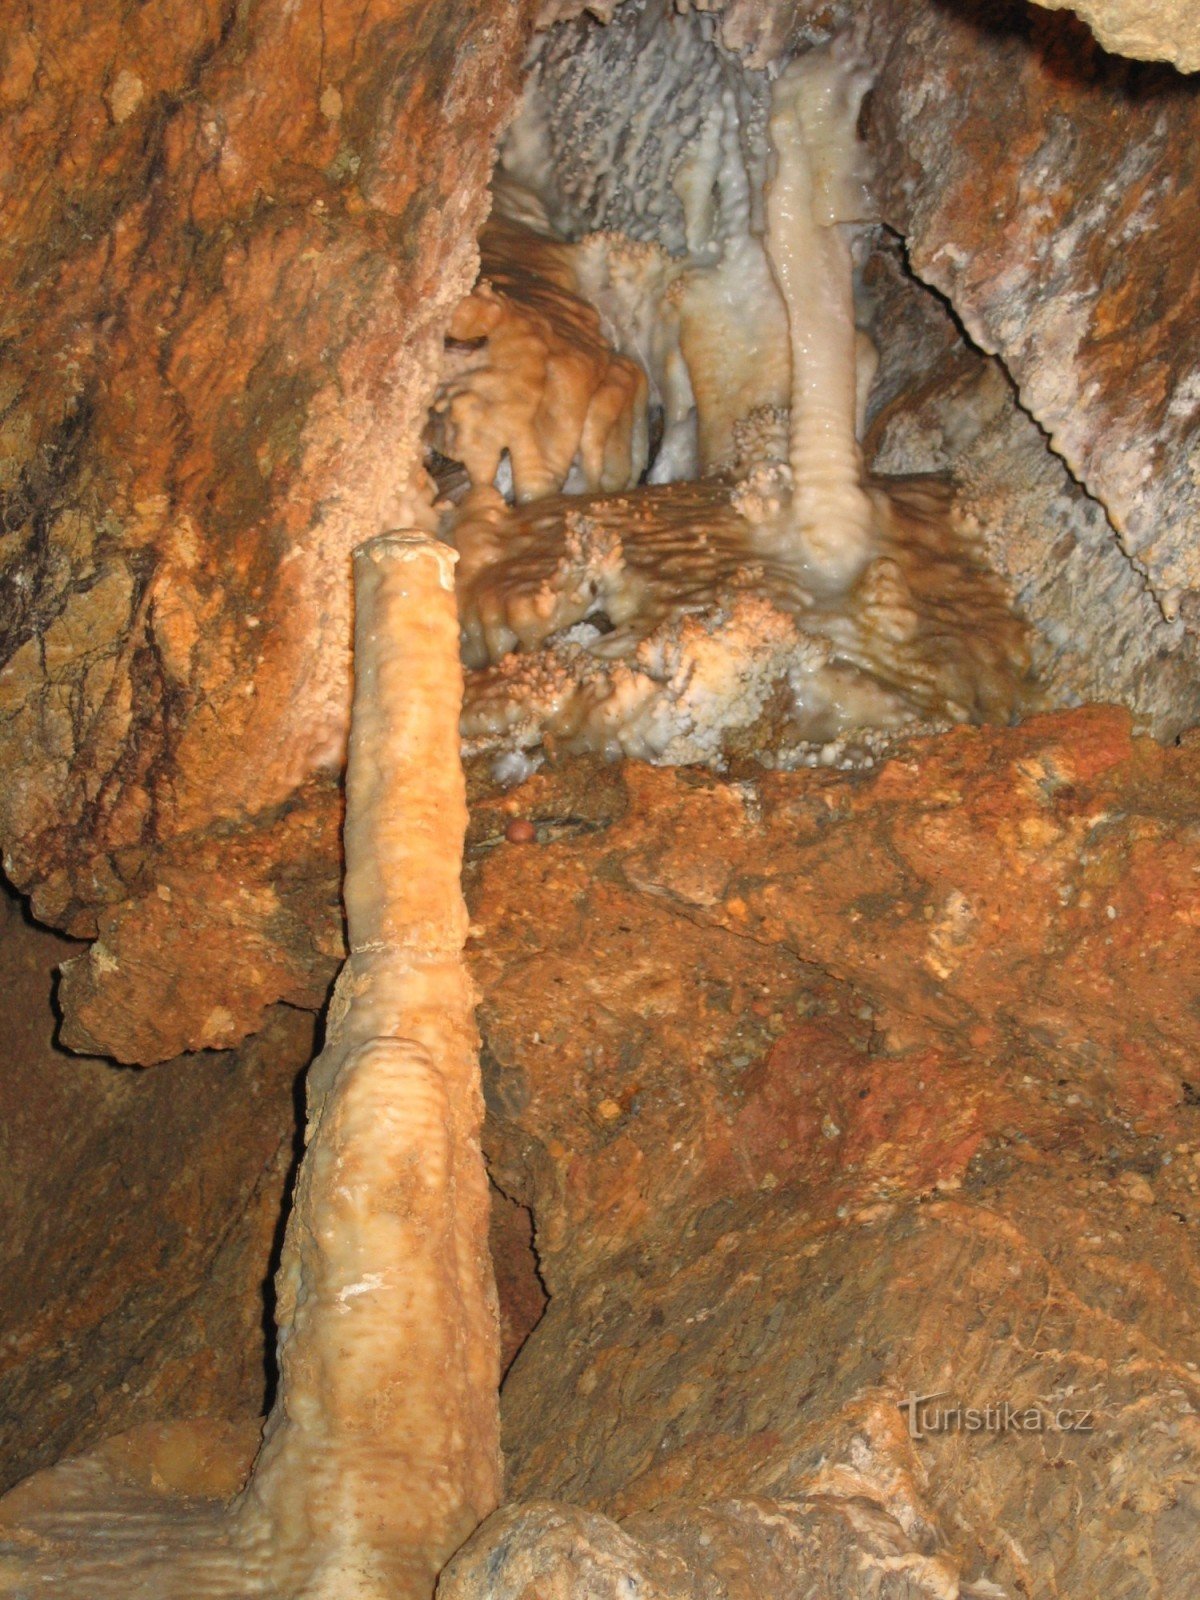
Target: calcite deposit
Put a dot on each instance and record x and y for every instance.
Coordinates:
(232, 252)
(1048, 190)
(937, 406)
(380, 1452)
(531, 381)
(669, 625)
(790, 607)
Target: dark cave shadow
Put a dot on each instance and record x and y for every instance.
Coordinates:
(18, 903)
(270, 1359)
(299, 1123)
(535, 1262)
(1069, 50)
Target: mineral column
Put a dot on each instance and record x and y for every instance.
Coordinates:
(816, 187)
(382, 1452)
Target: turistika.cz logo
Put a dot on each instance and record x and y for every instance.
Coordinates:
(925, 1416)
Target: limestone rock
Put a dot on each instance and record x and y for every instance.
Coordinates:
(940, 406)
(1048, 191)
(1156, 30)
(231, 245)
(830, 1092)
(217, 927)
(734, 1550)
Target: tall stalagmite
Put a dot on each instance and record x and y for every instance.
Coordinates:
(382, 1452)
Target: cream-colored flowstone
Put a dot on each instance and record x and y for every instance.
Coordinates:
(781, 605)
(382, 1451)
(816, 187)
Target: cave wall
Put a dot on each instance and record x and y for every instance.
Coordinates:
(940, 405)
(227, 272)
(1048, 190)
(138, 1220)
(825, 1090)
(232, 239)
(935, 1072)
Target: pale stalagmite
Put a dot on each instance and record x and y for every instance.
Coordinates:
(816, 188)
(789, 604)
(382, 1452)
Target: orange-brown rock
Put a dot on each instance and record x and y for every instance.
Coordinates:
(824, 1091)
(232, 239)
(137, 1219)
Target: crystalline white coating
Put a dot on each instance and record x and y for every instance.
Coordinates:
(665, 624)
(783, 606)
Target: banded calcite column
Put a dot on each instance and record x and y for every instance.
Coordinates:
(382, 1452)
(816, 187)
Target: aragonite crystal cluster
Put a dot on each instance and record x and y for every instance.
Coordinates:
(695, 564)
(381, 1453)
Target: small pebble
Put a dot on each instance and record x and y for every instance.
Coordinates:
(520, 831)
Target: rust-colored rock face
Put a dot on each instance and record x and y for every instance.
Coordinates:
(137, 1220)
(824, 1091)
(231, 241)
(1050, 192)
(232, 244)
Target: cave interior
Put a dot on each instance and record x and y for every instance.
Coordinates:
(810, 394)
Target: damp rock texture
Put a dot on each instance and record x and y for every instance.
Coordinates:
(938, 405)
(831, 1091)
(1048, 190)
(137, 1222)
(232, 240)
(233, 243)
